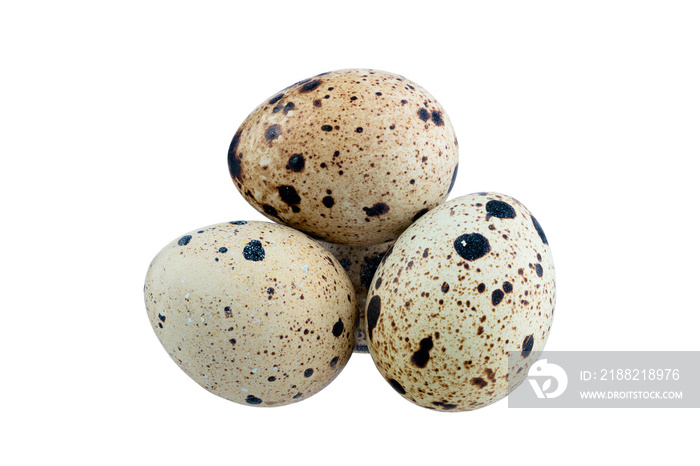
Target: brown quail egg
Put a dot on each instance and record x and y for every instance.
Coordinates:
(360, 262)
(255, 312)
(351, 156)
(469, 282)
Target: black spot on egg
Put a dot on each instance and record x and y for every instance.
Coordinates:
(397, 386)
(444, 405)
(308, 373)
(481, 288)
(272, 378)
(297, 395)
(373, 310)
(539, 229)
(288, 108)
(288, 195)
(423, 114)
(376, 210)
(252, 400)
(238, 222)
(500, 209)
(234, 159)
(338, 328)
(254, 251)
(437, 118)
(472, 246)
(328, 201)
(184, 241)
(528, 343)
(334, 361)
(419, 214)
(310, 86)
(223, 250)
(445, 287)
(298, 83)
(326, 128)
(276, 99)
(296, 163)
(368, 268)
(421, 357)
(269, 210)
(539, 270)
(507, 287)
(358, 129)
(272, 132)
(497, 297)
(161, 317)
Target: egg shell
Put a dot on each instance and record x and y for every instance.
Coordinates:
(255, 312)
(351, 156)
(360, 262)
(470, 281)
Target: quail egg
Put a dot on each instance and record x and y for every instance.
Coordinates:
(351, 156)
(469, 282)
(255, 312)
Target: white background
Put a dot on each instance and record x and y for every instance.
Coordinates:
(115, 120)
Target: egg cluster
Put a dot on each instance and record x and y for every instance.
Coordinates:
(364, 255)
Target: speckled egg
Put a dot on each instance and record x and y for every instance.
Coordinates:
(350, 157)
(360, 262)
(469, 282)
(255, 312)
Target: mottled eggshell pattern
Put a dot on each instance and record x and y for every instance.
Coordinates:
(467, 283)
(360, 262)
(350, 157)
(255, 312)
